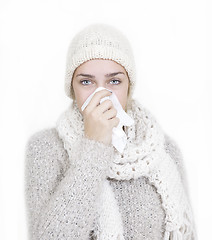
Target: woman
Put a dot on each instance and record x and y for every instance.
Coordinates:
(78, 186)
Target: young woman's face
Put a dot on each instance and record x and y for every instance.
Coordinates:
(100, 73)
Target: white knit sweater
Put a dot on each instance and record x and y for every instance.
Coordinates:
(61, 201)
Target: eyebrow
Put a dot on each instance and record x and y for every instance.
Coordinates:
(92, 76)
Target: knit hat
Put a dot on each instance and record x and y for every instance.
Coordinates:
(99, 41)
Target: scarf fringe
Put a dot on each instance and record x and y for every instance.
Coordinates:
(179, 235)
(186, 232)
(152, 162)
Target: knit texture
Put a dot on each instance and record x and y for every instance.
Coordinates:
(144, 155)
(60, 201)
(61, 196)
(99, 41)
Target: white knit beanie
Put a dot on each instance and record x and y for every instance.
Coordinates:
(101, 41)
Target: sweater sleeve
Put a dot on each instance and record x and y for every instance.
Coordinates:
(173, 149)
(61, 200)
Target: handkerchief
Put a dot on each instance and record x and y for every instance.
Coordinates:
(119, 138)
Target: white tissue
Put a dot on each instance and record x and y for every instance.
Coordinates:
(119, 138)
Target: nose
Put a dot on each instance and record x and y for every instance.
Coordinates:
(102, 85)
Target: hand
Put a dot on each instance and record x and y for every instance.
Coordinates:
(99, 119)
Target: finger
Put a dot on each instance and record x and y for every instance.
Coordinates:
(104, 106)
(115, 121)
(95, 100)
(111, 113)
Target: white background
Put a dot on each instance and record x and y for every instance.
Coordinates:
(171, 41)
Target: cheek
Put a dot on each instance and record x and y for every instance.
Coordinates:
(122, 97)
(81, 96)
(121, 93)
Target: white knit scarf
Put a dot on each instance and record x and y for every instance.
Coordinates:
(144, 155)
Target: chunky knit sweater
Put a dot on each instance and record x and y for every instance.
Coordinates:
(61, 200)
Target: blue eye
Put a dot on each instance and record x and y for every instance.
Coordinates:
(84, 81)
(116, 80)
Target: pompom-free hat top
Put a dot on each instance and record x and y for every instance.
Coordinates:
(99, 41)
